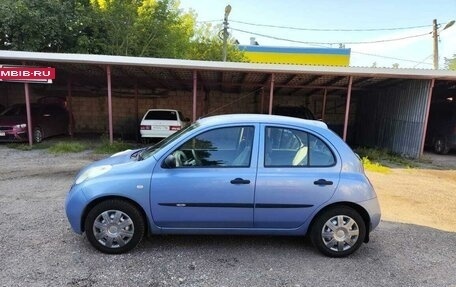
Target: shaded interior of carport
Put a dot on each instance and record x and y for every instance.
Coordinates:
(384, 108)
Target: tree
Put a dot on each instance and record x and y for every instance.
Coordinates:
(145, 28)
(450, 63)
(208, 45)
(34, 25)
(150, 28)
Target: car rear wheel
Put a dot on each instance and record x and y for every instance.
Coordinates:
(114, 226)
(440, 146)
(338, 232)
(37, 135)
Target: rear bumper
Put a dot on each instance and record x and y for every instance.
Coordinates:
(372, 207)
(156, 133)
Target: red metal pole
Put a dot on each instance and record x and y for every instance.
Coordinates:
(69, 106)
(108, 74)
(271, 94)
(347, 107)
(136, 110)
(426, 116)
(29, 113)
(195, 88)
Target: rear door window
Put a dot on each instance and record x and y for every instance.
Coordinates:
(286, 147)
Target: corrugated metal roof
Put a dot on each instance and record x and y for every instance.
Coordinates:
(226, 66)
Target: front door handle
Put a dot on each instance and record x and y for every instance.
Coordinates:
(240, 181)
(322, 181)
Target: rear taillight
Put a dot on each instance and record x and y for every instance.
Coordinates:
(174, 128)
(145, 127)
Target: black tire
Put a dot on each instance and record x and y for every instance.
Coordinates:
(347, 233)
(114, 226)
(440, 146)
(37, 135)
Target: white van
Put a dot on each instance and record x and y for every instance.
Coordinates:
(160, 123)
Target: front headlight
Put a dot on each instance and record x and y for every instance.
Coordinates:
(21, 126)
(93, 172)
(121, 152)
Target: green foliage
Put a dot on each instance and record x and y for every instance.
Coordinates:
(116, 146)
(384, 157)
(67, 147)
(149, 28)
(27, 147)
(374, 166)
(450, 63)
(43, 25)
(208, 46)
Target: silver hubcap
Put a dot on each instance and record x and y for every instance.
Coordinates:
(340, 233)
(439, 145)
(38, 136)
(113, 228)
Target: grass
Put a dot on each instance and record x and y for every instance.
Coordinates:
(116, 146)
(374, 166)
(374, 159)
(67, 147)
(27, 147)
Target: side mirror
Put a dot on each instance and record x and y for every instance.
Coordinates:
(170, 162)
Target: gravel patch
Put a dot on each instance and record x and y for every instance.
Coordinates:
(38, 248)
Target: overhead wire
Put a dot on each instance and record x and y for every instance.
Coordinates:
(331, 29)
(321, 44)
(424, 61)
(325, 44)
(332, 43)
(388, 57)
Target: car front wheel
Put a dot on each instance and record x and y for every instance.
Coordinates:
(338, 232)
(37, 135)
(114, 226)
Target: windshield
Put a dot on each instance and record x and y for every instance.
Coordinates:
(150, 151)
(16, 110)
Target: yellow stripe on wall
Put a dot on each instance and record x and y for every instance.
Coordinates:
(296, 58)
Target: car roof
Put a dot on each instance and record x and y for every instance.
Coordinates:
(167, 110)
(259, 118)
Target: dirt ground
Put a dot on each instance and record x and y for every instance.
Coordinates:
(38, 247)
(423, 196)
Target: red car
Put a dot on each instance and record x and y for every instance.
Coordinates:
(47, 120)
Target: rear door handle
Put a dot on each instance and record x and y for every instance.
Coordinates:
(322, 181)
(240, 181)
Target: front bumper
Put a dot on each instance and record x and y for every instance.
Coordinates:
(12, 135)
(75, 204)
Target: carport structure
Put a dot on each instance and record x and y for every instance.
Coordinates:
(380, 107)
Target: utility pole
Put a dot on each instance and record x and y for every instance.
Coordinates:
(225, 30)
(435, 36)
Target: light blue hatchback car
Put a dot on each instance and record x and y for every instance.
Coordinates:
(230, 174)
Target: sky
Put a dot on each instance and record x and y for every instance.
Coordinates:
(411, 52)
